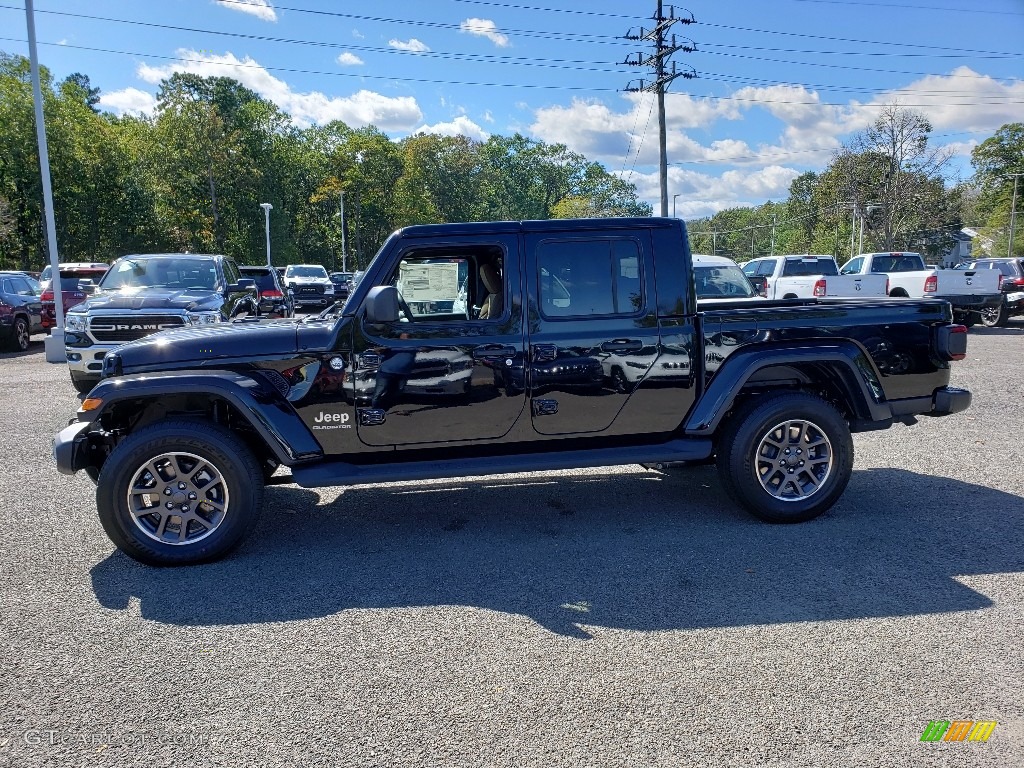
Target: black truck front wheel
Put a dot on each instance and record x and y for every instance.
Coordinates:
(179, 492)
(786, 458)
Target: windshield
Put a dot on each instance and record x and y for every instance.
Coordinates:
(172, 272)
(809, 267)
(305, 270)
(722, 281)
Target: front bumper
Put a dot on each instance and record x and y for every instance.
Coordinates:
(70, 447)
(86, 360)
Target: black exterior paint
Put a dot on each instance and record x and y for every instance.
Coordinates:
(497, 394)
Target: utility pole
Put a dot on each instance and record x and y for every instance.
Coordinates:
(344, 260)
(1013, 216)
(773, 235)
(662, 77)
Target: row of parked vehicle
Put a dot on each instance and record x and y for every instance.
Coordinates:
(988, 290)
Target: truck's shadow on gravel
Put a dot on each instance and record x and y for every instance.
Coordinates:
(644, 551)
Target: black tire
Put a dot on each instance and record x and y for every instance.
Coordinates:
(995, 317)
(752, 462)
(197, 465)
(83, 384)
(20, 337)
(619, 381)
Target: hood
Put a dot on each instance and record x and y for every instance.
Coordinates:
(213, 344)
(189, 299)
(206, 344)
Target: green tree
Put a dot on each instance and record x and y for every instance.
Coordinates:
(995, 161)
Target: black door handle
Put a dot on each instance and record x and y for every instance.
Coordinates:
(543, 353)
(622, 345)
(496, 350)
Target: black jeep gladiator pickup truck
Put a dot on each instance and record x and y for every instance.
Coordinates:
(471, 349)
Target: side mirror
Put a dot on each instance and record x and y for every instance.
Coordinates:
(86, 285)
(245, 285)
(382, 304)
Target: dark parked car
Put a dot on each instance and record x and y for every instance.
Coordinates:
(1011, 286)
(275, 299)
(76, 283)
(20, 310)
(342, 284)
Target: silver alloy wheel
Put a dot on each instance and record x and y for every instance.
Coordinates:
(23, 337)
(178, 498)
(793, 460)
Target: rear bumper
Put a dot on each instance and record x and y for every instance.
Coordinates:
(942, 402)
(973, 302)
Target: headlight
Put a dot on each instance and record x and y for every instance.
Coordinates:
(203, 318)
(74, 321)
(329, 288)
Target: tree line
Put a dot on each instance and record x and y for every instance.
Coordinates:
(193, 175)
(884, 190)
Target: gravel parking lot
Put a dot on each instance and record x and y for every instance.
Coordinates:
(621, 617)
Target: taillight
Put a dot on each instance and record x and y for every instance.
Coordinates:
(952, 342)
(47, 296)
(272, 294)
(886, 286)
(819, 287)
(931, 285)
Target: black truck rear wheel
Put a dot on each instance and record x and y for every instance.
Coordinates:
(786, 458)
(179, 492)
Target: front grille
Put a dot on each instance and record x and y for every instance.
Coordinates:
(121, 328)
(310, 290)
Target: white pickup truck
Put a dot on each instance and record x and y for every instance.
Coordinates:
(807, 277)
(969, 291)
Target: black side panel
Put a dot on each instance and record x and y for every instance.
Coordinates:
(262, 406)
(849, 366)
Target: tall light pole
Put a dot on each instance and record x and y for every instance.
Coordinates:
(54, 344)
(267, 208)
(674, 205)
(344, 259)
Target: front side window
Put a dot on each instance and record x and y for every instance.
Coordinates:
(589, 277)
(433, 288)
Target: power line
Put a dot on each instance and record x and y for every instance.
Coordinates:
(888, 6)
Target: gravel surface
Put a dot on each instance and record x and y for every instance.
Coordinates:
(621, 617)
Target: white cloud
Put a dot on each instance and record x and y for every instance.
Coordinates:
(460, 126)
(63, 41)
(703, 194)
(358, 110)
(412, 44)
(357, 34)
(128, 100)
(488, 117)
(347, 59)
(485, 28)
(963, 100)
(261, 9)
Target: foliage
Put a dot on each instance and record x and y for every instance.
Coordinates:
(193, 175)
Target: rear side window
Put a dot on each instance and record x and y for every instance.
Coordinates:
(264, 279)
(809, 267)
(589, 277)
(766, 268)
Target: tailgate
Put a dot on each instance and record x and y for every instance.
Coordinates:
(953, 282)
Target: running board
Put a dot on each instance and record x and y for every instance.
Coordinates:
(330, 473)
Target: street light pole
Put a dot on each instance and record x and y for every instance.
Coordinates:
(267, 208)
(344, 258)
(674, 205)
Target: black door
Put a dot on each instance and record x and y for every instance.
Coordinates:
(451, 368)
(593, 331)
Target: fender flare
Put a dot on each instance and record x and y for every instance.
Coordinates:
(858, 379)
(262, 406)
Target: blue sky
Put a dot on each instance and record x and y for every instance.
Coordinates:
(780, 85)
